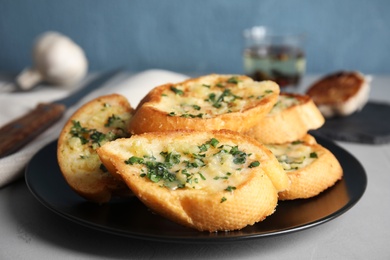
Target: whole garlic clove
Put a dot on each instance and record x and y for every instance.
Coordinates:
(57, 60)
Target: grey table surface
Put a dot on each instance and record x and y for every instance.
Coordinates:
(28, 230)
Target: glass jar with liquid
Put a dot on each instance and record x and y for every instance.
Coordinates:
(276, 57)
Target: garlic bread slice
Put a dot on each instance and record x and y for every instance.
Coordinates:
(99, 121)
(340, 93)
(212, 102)
(210, 181)
(310, 167)
(290, 119)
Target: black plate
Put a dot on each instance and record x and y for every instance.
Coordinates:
(132, 219)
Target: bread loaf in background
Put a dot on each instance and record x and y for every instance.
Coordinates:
(340, 93)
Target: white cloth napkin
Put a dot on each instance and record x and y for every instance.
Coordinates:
(13, 105)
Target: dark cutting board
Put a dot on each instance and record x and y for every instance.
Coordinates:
(371, 125)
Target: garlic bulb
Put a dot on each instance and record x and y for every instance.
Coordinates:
(57, 60)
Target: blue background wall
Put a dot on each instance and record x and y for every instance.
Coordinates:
(198, 35)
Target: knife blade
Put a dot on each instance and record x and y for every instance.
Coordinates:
(24, 129)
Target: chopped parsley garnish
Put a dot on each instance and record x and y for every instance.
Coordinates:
(313, 155)
(78, 131)
(219, 85)
(204, 147)
(233, 80)
(196, 107)
(177, 91)
(134, 160)
(171, 158)
(225, 97)
(201, 176)
(230, 188)
(177, 170)
(112, 120)
(278, 103)
(223, 199)
(159, 171)
(221, 177)
(214, 142)
(211, 97)
(239, 156)
(225, 93)
(200, 115)
(254, 164)
(95, 137)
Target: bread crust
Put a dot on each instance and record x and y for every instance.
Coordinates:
(154, 111)
(253, 198)
(309, 181)
(290, 123)
(79, 163)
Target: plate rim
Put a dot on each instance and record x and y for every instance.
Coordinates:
(209, 239)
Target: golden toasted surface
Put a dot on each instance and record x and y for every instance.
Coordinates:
(292, 116)
(211, 102)
(310, 167)
(336, 88)
(215, 180)
(99, 121)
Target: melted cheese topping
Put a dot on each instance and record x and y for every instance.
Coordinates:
(284, 102)
(210, 165)
(105, 124)
(293, 156)
(207, 99)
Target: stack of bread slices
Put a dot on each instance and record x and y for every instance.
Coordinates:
(214, 153)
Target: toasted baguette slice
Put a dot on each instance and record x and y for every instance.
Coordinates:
(290, 119)
(211, 102)
(311, 168)
(95, 123)
(341, 93)
(210, 181)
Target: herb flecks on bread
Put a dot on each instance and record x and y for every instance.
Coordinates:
(97, 122)
(311, 168)
(210, 165)
(293, 156)
(210, 98)
(284, 101)
(212, 102)
(217, 180)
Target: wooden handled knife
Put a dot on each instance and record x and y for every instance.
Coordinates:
(24, 129)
